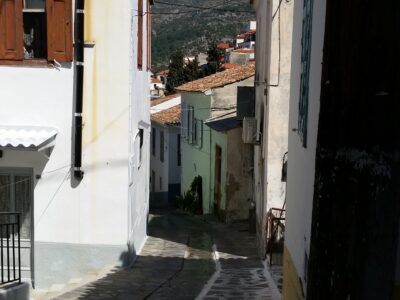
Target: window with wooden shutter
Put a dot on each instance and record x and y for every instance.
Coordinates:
(148, 31)
(11, 28)
(140, 35)
(59, 30)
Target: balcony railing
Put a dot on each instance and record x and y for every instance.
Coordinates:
(276, 235)
(10, 248)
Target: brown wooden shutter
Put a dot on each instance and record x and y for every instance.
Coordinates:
(11, 28)
(148, 29)
(59, 30)
(140, 35)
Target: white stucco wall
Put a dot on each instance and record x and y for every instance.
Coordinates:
(109, 206)
(301, 165)
(277, 111)
(263, 46)
(139, 190)
(160, 167)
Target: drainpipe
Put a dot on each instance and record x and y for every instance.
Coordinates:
(78, 85)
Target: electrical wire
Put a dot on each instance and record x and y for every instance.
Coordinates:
(196, 10)
(53, 197)
(205, 8)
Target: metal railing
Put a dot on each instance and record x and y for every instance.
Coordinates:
(10, 247)
(276, 234)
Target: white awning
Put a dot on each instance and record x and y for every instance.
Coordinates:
(27, 137)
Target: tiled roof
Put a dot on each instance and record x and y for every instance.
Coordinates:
(230, 66)
(155, 80)
(164, 72)
(219, 79)
(171, 116)
(223, 46)
(163, 99)
(243, 50)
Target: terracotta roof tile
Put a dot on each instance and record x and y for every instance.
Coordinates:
(163, 99)
(155, 80)
(219, 79)
(223, 46)
(230, 66)
(243, 50)
(171, 116)
(164, 72)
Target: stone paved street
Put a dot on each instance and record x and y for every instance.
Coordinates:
(178, 262)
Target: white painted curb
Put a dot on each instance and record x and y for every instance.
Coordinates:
(214, 277)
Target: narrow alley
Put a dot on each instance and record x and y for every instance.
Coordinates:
(187, 257)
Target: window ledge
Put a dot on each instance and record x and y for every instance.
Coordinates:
(35, 63)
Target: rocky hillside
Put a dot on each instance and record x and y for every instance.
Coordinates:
(190, 25)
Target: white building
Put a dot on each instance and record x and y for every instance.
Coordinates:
(80, 211)
(204, 150)
(157, 88)
(273, 63)
(165, 151)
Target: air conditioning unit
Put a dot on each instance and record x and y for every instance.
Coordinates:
(249, 134)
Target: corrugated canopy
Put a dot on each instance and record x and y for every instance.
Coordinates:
(27, 137)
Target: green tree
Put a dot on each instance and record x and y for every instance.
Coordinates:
(214, 64)
(176, 75)
(193, 70)
(179, 73)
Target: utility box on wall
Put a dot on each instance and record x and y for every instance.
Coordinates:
(245, 102)
(249, 134)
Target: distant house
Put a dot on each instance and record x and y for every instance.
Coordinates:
(157, 88)
(239, 40)
(231, 166)
(206, 150)
(241, 56)
(162, 76)
(165, 154)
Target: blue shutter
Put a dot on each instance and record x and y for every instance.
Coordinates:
(305, 70)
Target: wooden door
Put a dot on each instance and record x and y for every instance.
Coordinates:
(217, 178)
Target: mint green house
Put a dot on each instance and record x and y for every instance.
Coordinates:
(211, 142)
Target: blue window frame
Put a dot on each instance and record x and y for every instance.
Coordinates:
(305, 70)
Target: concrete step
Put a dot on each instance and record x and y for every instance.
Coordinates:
(59, 289)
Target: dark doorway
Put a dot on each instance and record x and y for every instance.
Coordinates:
(16, 195)
(217, 179)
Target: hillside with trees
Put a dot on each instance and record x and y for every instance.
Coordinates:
(191, 26)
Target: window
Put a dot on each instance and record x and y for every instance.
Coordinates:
(178, 146)
(141, 136)
(153, 141)
(153, 181)
(148, 31)
(162, 146)
(35, 29)
(140, 35)
(160, 183)
(184, 121)
(305, 70)
(190, 124)
(199, 133)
